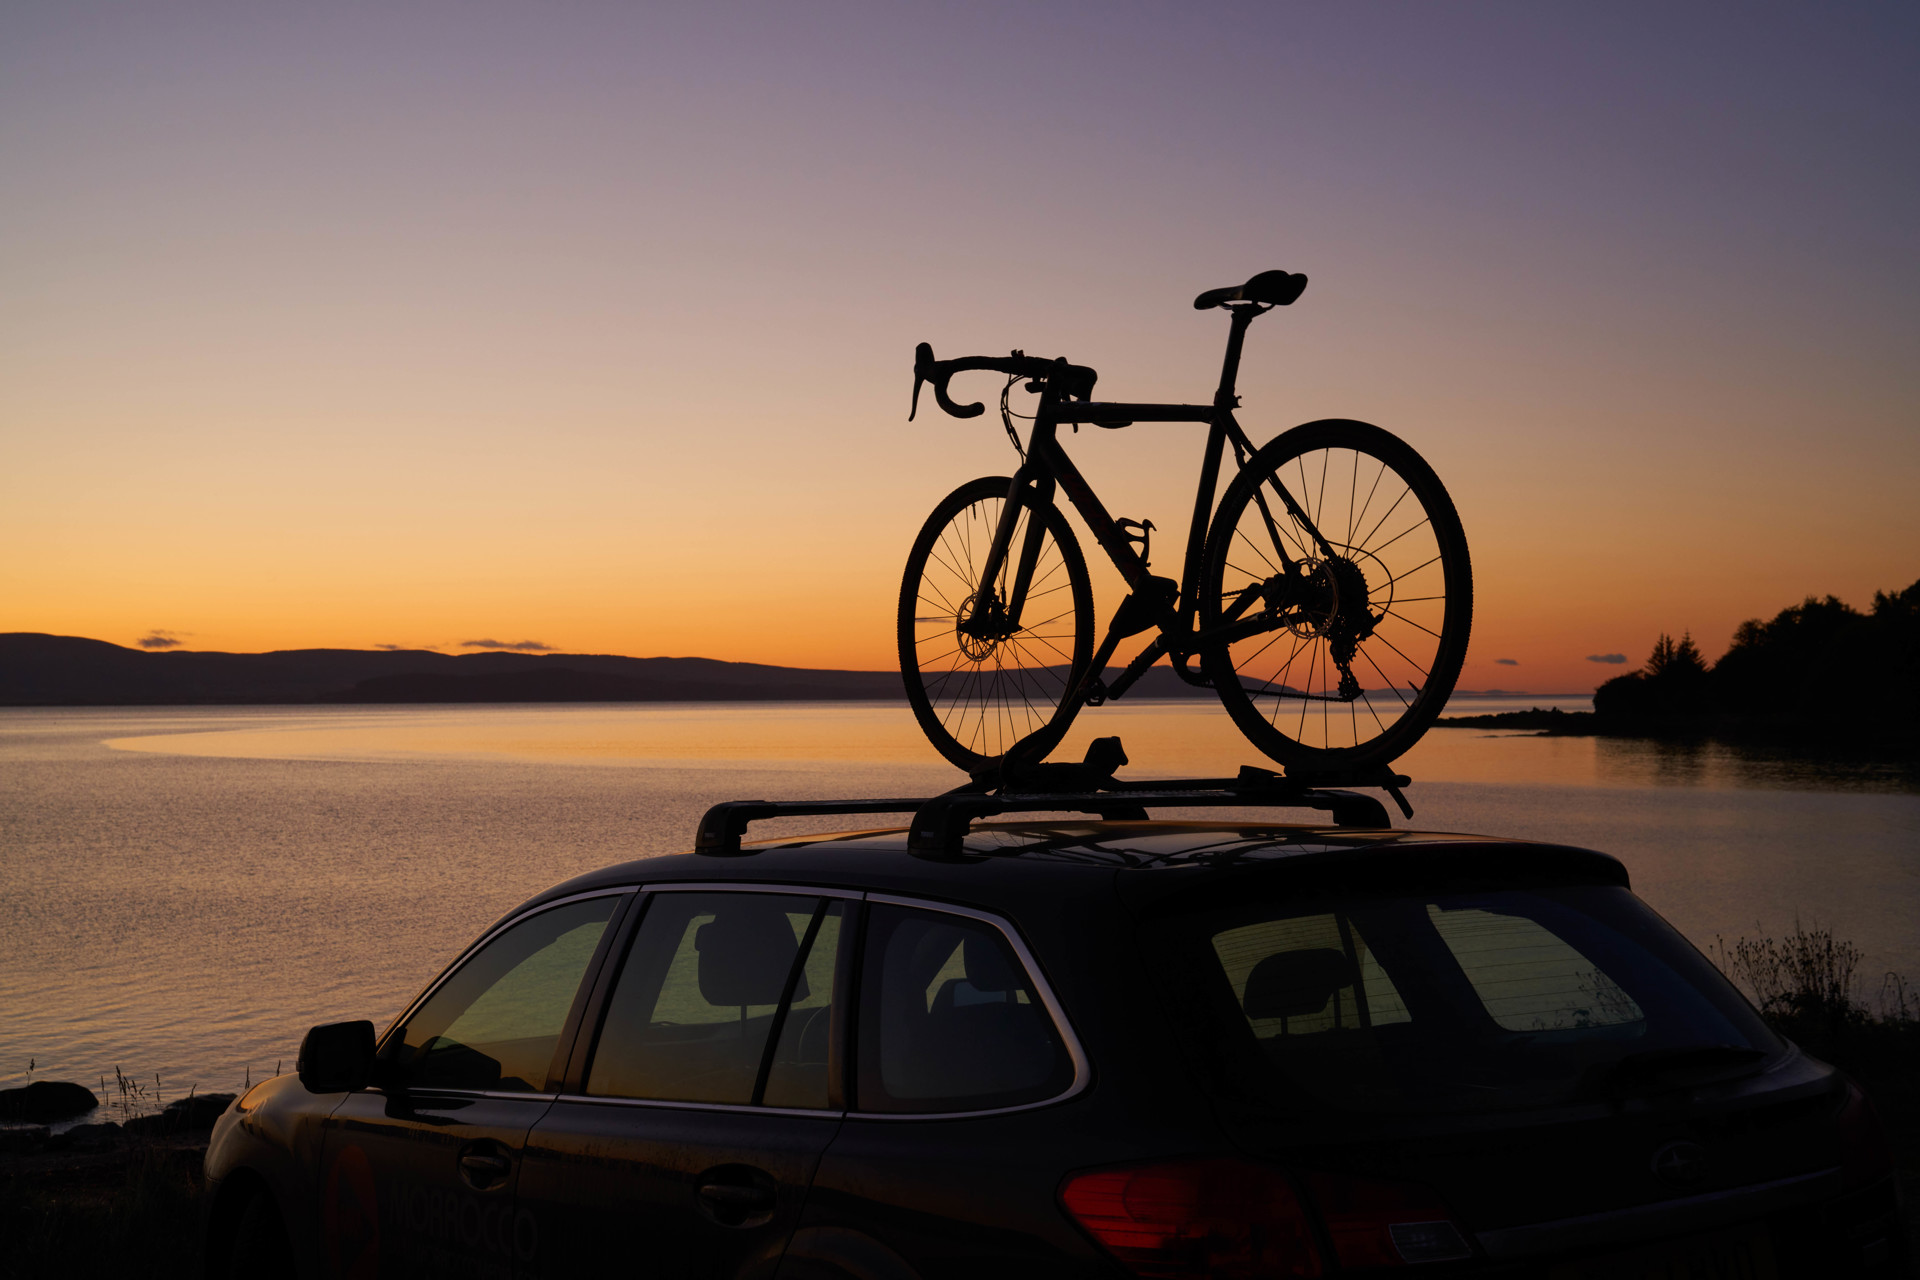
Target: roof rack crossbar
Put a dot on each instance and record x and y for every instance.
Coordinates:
(724, 824)
(941, 824)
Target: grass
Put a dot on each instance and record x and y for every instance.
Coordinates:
(133, 1216)
(1806, 985)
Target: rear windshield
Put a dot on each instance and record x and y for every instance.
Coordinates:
(1455, 1001)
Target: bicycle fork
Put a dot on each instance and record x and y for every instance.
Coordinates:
(988, 617)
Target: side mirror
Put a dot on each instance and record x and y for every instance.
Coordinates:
(336, 1057)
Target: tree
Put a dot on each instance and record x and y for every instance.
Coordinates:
(1673, 684)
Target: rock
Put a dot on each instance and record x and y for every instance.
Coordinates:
(14, 1140)
(182, 1115)
(47, 1100)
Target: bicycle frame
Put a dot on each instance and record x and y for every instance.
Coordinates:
(1152, 601)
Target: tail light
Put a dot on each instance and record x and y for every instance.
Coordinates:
(1385, 1224)
(1220, 1219)
(1864, 1154)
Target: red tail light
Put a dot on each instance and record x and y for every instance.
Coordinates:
(1864, 1154)
(1217, 1219)
(1385, 1224)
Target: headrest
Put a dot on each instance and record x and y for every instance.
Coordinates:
(1291, 984)
(746, 953)
(987, 967)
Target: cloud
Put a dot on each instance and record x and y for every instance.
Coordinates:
(1611, 659)
(517, 646)
(158, 639)
(1506, 662)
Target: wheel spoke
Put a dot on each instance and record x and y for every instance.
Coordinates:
(1374, 551)
(1410, 622)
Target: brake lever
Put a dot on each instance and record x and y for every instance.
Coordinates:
(923, 363)
(937, 372)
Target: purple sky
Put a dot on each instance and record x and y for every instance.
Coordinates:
(593, 323)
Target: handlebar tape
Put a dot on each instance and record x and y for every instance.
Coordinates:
(1070, 379)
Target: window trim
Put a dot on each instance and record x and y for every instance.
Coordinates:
(1082, 1068)
(628, 924)
(588, 980)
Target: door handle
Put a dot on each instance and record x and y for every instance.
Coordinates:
(723, 1195)
(736, 1195)
(484, 1166)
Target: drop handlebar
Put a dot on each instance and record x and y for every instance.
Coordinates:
(1070, 380)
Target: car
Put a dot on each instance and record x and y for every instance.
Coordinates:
(1000, 1044)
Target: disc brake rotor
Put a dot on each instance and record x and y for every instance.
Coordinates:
(980, 642)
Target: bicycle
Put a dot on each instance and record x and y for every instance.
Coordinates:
(1327, 599)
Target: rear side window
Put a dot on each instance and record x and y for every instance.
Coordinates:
(725, 998)
(1448, 1001)
(950, 1019)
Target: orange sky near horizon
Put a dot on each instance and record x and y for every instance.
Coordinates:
(341, 330)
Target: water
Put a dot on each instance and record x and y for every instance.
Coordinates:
(183, 891)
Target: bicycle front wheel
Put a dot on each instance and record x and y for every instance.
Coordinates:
(1341, 617)
(977, 688)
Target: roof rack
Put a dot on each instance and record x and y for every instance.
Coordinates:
(940, 823)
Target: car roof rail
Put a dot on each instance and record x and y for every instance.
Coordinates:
(940, 823)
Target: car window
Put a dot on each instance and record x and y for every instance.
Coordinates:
(1363, 996)
(699, 1000)
(1446, 1001)
(949, 1018)
(1526, 977)
(495, 1022)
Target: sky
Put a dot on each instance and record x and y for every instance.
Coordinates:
(590, 325)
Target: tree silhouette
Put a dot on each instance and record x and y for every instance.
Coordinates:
(1820, 665)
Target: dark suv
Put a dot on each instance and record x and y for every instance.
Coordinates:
(1058, 1048)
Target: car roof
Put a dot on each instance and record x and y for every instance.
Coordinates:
(1002, 863)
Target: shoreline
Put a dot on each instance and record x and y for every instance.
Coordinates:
(1778, 737)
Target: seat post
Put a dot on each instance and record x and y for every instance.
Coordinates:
(1243, 316)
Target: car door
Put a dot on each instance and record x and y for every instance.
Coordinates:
(689, 1133)
(420, 1171)
(949, 1161)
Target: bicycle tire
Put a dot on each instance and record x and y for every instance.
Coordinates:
(1411, 578)
(975, 698)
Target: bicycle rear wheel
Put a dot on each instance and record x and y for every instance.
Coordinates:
(976, 695)
(1341, 634)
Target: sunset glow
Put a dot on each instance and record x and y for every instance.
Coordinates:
(594, 327)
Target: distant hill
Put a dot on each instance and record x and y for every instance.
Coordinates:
(39, 670)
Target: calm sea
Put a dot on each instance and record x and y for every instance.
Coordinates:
(183, 891)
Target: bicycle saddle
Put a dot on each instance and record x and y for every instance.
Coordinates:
(1275, 288)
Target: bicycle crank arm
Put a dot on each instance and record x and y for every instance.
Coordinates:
(1149, 605)
(1137, 668)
